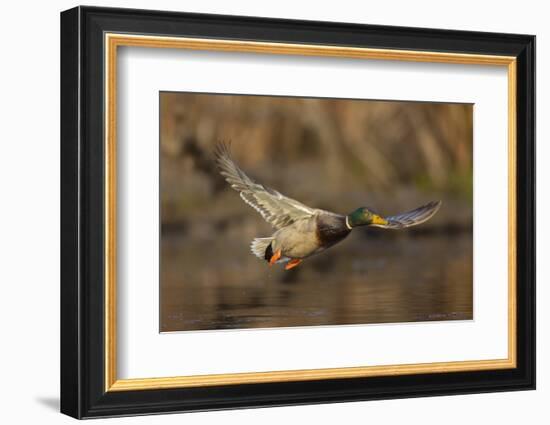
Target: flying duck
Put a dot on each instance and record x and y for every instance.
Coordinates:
(302, 231)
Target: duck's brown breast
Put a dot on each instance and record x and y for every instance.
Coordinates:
(331, 229)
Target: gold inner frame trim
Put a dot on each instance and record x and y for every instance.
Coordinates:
(113, 41)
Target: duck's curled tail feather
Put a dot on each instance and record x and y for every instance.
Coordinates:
(261, 248)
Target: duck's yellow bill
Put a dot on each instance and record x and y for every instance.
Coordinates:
(376, 219)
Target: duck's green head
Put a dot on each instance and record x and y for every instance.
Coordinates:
(364, 217)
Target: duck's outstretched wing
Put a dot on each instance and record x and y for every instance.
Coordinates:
(277, 209)
(411, 218)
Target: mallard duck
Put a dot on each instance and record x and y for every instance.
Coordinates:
(302, 231)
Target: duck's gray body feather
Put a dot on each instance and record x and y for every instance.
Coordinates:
(303, 238)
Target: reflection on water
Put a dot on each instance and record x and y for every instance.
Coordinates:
(369, 278)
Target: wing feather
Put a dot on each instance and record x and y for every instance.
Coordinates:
(411, 218)
(277, 209)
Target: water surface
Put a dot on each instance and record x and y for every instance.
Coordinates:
(369, 278)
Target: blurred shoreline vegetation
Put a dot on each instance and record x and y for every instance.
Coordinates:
(329, 153)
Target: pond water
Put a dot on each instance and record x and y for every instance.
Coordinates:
(369, 278)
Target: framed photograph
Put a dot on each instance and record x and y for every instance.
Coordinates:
(261, 212)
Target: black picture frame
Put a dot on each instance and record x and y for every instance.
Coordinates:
(83, 392)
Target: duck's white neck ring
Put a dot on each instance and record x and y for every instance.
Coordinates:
(347, 223)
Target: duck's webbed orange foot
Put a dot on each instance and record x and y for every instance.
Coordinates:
(292, 263)
(275, 257)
